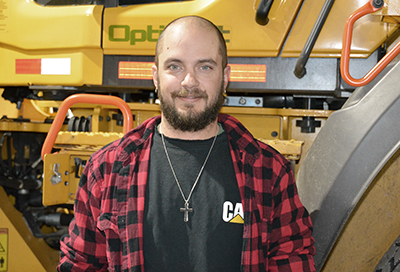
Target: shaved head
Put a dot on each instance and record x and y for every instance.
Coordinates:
(194, 22)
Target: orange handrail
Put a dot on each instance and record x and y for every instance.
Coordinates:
(345, 58)
(90, 99)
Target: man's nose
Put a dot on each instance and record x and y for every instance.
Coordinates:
(190, 80)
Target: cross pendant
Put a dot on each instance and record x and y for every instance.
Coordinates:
(186, 211)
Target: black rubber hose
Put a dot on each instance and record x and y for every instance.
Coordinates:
(262, 12)
(300, 69)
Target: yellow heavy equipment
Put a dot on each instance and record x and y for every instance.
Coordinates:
(76, 75)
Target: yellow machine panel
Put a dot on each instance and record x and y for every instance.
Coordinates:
(43, 67)
(50, 45)
(235, 18)
(63, 175)
(64, 168)
(66, 26)
(369, 32)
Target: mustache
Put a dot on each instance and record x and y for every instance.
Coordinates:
(196, 93)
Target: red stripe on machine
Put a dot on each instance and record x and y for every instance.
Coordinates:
(28, 66)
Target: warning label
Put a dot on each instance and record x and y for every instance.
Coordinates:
(3, 249)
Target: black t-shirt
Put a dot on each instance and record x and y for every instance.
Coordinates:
(212, 238)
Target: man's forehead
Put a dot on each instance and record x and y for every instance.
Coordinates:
(183, 35)
(187, 37)
(189, 31)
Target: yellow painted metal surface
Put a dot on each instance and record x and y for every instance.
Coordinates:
(29, 110)
(64, 164)
(27, 25)
(390, 8)
(86, 67)
(262, 122)
(369, 32)
(6, 125)
(390, 12)
(373, 225)
(25, 253)
(31, 31)
(134, 29)
(289, 148)
(86, 139)
(307, 138)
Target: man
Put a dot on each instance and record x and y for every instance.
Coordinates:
(191, 190)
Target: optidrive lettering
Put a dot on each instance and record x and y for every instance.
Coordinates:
(123, 33)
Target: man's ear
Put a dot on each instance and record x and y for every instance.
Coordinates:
(154, 71)
(227, 74)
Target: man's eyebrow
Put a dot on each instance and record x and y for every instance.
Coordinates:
(172, 60)
(211, 61)
(201, 61)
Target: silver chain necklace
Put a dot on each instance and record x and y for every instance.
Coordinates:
(187, 209)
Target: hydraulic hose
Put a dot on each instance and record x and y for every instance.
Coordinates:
(300, 69)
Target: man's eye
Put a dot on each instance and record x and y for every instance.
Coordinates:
(174, 67)
(205, 67)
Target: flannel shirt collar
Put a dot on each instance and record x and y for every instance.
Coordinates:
(239, 137)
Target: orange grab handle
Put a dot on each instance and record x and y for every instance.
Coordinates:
(345, 58)
(89, 99)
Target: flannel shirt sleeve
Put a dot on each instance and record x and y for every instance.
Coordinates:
(291, 246)
(84, 248)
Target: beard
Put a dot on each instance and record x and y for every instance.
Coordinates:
(191, 120)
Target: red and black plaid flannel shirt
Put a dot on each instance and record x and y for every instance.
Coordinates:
(107, 232)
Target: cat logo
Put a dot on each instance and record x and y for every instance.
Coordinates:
(232, 213)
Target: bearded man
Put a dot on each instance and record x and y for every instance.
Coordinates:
(190, 190)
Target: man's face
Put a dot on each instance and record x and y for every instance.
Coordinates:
(190, 78)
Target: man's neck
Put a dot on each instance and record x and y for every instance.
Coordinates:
(170, 132)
